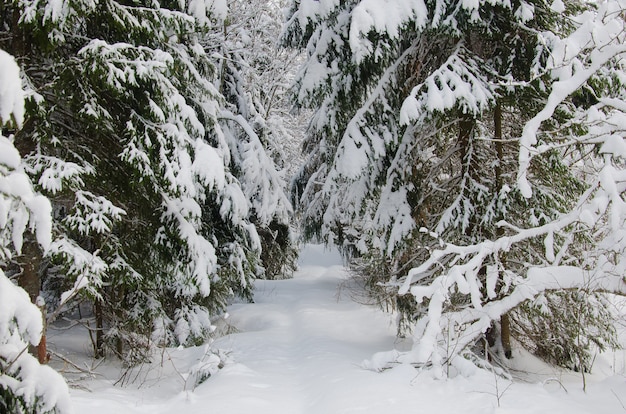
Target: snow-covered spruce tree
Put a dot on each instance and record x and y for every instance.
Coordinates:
(126, 135)
(25, 385)
(412, 161)
(253, 80)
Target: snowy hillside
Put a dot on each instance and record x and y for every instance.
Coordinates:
(301, 347)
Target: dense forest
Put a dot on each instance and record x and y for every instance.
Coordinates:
(466, 157)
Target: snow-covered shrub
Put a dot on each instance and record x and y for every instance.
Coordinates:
(207, 366)
(566, 328)
(25, 385)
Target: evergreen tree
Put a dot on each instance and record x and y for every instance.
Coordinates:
(413, 162)
(25, 385)
(127, 136)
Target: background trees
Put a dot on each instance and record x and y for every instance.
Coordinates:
(254, 75)
(415, 162)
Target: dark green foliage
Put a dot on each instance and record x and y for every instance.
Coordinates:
(279, 254)
(10, 403)
(567, 328)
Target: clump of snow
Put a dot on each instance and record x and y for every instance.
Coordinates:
(525, 12)
(93, 214)
(11, 93)
(558, 6)
(312, 10)
(455, 84)
(208, 165)
(17, 314)
(39, 386)
(383, 17)
(218, 8)
(19, 205)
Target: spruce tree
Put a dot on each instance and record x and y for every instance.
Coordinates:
(414, 153)
(127, 136)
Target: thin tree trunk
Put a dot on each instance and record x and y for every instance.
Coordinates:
(99, 351)
(505, 331)
(17, 40)
(30, 281)
(117, 296)
(42, 348)
(505, 322)
(497, 122)
(468, 163)
(466, 126)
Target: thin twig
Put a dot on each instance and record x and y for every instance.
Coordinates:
(618, 399)
(86, 370)
(5, 369)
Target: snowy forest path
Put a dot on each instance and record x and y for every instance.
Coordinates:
(305, 338)
(299, 349)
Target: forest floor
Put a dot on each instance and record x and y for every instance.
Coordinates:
(300, 349)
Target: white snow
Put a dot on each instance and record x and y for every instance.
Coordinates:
(525, 12)
(94, 214)
(382, 16)
(11, 93)
(19, 205)
(88, 269)
(455, 83)
(81, 282)
(558, 6)
(208, 166)
(571, 68)
(21, 324)
(16, 311)
(302, 347)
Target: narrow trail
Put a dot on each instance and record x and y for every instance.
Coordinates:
(303, 341)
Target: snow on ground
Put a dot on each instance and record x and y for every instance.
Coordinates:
(299, 349)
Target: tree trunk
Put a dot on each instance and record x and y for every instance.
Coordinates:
(505, 322)
(497, 123)
(30, 280)
(42, 349)
(505, 335)
(468, 162)
(466, 126)
(99, 346)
